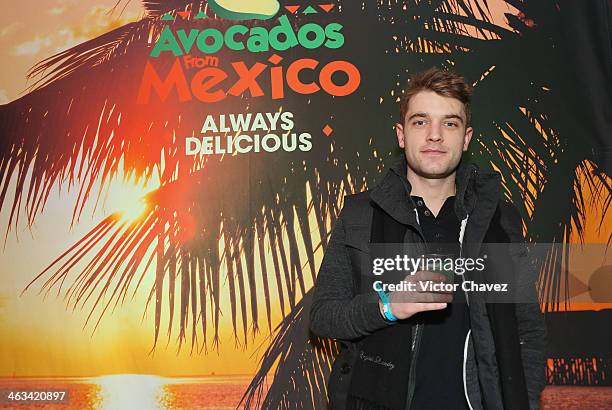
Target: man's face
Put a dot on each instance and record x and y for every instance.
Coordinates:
(434, 134)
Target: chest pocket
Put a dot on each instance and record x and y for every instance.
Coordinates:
(357, 242)
(357, 236)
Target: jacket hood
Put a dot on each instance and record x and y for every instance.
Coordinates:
(472, 183)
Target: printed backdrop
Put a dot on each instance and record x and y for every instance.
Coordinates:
(170, 172)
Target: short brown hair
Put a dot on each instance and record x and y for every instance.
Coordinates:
(443, 82)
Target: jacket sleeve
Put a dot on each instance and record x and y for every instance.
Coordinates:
(532, 327)
(336, 311)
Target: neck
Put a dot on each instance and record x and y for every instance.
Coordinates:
(433, 191)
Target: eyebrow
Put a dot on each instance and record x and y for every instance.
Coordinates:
(425, 115)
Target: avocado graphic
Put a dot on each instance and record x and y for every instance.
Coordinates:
(245, 10)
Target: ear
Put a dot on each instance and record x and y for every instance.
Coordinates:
(467, 138)
(399, 132)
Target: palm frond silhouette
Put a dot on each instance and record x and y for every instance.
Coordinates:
(76, 127)
(303, 365)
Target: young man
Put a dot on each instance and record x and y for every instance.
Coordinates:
(431, 350)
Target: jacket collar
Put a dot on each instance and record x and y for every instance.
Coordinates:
(473, 186)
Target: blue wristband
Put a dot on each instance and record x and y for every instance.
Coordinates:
(384, 298)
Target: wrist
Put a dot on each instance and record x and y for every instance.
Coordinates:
(384, 306)
(380, 309)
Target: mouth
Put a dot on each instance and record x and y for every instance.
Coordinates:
(433, 151)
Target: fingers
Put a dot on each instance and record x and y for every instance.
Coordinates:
(422, 307)
(431, 291)
(434, 297)
(424, 276)
(406, 310)
(421, 297)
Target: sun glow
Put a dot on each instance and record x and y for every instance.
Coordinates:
(133, 211)
(128, 197)
(130, 391)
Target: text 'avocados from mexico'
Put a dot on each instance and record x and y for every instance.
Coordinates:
(213, 83)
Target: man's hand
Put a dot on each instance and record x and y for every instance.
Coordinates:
(405, 304)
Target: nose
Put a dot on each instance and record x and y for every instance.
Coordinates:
(435, 132)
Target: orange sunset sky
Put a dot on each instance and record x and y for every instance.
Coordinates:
(39, 336)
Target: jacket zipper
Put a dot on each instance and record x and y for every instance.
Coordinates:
(417, 334)
(416, 343)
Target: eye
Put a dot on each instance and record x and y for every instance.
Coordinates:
(418, 122)
(452, 124)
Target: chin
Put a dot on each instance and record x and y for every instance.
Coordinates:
(434, 172)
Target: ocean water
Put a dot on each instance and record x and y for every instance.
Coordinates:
(136, 392)
(576, 398)
(132, 392)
